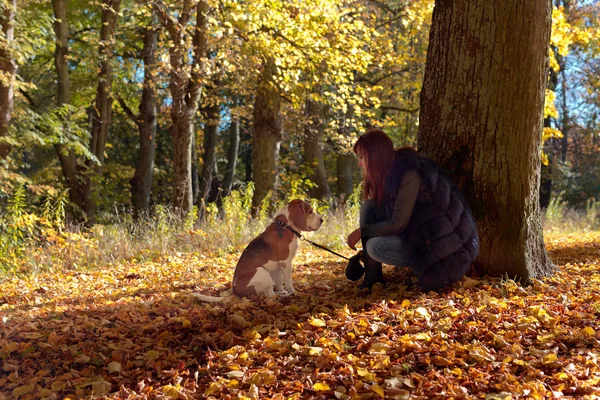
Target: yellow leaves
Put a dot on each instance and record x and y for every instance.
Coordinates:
(321, 386)
(323, 333)
(252, 335)
(549, 107)
(317, 322)
(541, 314)
(366, 375)
(588, 331)
(549, 358)
(213, 388)
(423, 313)
(379, 348)
(378, 390)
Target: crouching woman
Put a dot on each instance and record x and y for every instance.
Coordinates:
(412, 215)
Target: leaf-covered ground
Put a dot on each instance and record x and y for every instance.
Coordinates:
(132, 331)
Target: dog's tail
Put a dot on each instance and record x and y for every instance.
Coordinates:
(209, 299)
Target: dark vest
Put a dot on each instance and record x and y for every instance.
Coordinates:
(442, 234)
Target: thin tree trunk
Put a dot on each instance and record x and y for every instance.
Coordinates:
(313, 151)
(266, 136)
(481, 118)
(141, 183)
(66, 156)
(185, 91)
(195, 171)
(246, 153)
(209, 156)
(102, 109)
(345, 164)
(232, 154)
(8, 68)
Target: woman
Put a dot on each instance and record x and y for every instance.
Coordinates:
(412, 216)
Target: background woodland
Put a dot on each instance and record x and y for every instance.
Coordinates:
(113, 108)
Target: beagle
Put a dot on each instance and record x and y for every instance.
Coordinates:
(266, 262)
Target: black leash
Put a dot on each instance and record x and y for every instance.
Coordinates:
(301, 237)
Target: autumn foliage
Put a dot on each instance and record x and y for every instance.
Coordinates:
(131, 330)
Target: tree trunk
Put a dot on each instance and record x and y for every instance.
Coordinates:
(195, 170)
(185, 91)
(66, 156)
(246, 153)
(481, 119)
(232, 153)
(8, 68)
(211, 129)
(141, 183)
(313, 151)
(102, 109)
(345, 164)
(266, 136)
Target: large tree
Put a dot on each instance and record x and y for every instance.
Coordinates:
(482, 117)
(266, 136)
(313, 150)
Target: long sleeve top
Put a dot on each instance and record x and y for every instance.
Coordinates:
(403, 208)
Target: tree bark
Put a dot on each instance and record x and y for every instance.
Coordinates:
(266, 136)
(246, 152)
(66, 156)
(102, 108)
(345, 164)
(141, 183)
(211, 129)
(232, 155)
(481, 119)
(8, 70)
(313, 151)
(185, 88)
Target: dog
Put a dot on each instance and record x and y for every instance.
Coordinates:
(265, 265)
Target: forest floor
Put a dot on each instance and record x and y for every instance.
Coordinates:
(132, 330)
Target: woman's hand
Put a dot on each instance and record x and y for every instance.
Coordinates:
(353, 238)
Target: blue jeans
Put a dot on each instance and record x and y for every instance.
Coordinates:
(385, 249)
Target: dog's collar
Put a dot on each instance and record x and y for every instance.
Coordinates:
(289, 228)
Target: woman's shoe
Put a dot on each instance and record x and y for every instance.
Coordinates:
(373, 272)
(354, 269)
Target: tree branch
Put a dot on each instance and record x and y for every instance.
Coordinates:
(166, 20)
(401, 109)
(135, 118)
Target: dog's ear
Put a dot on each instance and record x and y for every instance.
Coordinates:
(298, 214)
(306, 207)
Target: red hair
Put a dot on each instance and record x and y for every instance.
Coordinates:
(378, 151)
